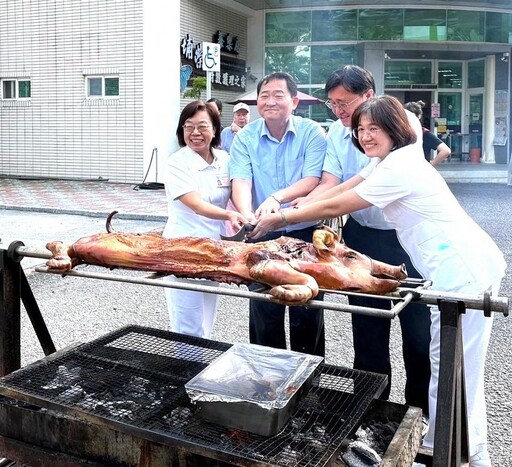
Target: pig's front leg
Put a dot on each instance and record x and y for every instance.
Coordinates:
(63, 256)
(289, 286)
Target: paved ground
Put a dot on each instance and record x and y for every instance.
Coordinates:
(85, 198)
(80, 310)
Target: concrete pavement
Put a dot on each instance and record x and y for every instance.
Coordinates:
(81, 310)
(90, 198)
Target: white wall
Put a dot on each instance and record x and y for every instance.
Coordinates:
(60, 133)
(161, 84)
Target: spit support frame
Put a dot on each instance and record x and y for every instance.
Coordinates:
(417, 290)
(451, 436)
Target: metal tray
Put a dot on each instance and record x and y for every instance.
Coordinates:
(253, 388)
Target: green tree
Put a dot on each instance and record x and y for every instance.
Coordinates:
(198, 86)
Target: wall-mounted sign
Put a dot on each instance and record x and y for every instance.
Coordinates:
(435, 110)
(500, 131)
(231, 75)
(228, 43)
(211, 56)
(441, 125)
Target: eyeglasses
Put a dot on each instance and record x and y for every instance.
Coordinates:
(340, 105)
(202, 128)
(358, 133)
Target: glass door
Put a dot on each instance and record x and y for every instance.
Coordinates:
(450, 122)
(475, 119)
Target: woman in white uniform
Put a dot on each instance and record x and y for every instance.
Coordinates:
(198, 189)
(444, 243)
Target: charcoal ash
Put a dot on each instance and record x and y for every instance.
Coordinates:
(64, 378)
(369, 443)
(124, 401)
(178, 418)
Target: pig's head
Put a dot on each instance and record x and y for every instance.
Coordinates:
(338, 267)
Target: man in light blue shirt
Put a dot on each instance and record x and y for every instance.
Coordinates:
(368, 232)
(241, 117)
(274, 160)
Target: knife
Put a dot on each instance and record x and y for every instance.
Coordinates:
(240, 235)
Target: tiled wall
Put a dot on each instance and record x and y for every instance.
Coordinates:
(58, 132)
(201, 20)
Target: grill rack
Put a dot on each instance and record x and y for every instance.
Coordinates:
(132, 380)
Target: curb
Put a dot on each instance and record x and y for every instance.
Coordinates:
(104, 214)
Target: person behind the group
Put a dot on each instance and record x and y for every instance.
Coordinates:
(274, 160)
(217, 105)
(416, 200)
(241, 117)
(430, 141)
(198, 189)
(368, 232)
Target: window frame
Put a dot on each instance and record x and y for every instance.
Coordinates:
(16, 94)
(103, 88)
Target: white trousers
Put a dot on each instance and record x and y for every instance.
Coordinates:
(192, 313)
(476, 332)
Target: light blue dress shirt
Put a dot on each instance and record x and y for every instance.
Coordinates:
(226, 138)
(344, 160)
(272, 165)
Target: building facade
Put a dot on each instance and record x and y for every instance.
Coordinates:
(454, 56)
(71, 89)
(92, 89)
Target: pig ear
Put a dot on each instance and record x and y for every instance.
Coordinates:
(324, 240)
(330, 229)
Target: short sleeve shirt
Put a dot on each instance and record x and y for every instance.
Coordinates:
(272, 165)
(187, 172)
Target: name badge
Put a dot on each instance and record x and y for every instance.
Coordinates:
(223, 181)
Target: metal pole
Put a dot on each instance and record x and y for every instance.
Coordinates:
(10, 315)
(451, 434)
(208, 85)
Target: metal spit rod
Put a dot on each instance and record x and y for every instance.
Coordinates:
(401, 298)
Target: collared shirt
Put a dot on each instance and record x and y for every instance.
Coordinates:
(443, 242)
(186, 172)
(226, 138)
(344, 160)
(272, 165)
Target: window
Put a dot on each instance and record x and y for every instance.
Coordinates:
(99, 87)
(326, 58)
(380, 24)
(449, 75)
(288, 27)
(476, 74)
(399, 73)
(498, 27)
(334, 25)
(16, 89)
(466, 25)
(425, 25)
(293, 60)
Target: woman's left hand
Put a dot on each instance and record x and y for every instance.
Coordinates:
(265, 224)
(236, 220)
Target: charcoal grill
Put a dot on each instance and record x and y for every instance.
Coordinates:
(132, 380)
(451, 434)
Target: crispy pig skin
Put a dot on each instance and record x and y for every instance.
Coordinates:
(293, 268)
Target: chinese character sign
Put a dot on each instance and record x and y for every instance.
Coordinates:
(227, 72)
